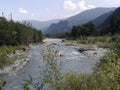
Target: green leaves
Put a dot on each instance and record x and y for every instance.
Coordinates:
(2, 84)
(25, 86)
(110, 67)
(15, 33)
(52, 70)
(87, 29)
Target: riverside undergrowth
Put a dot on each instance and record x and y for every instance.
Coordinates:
(6, 51)
(51, 76)
(106, 75)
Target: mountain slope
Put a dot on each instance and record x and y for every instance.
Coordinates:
(59, 28)
(88, 15)
(99, 20)
(112, 23)
(78, 19)
(42, 25)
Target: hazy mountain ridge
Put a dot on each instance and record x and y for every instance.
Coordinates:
(79, 19)
(112, 24)
(59, 28)
(115, 14)
(88, 15)
(99, 20)
(42, 25)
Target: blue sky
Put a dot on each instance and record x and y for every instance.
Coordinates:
(44, 10)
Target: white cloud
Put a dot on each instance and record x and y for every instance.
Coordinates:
(91, 6)
(32, 15)
(81, 5)
(75, 7)
(23, 11)
(116, 3)
(69, 5)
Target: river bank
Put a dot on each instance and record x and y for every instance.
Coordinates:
(72, 61)
(89, 50)
(92, 51)
(19, 61)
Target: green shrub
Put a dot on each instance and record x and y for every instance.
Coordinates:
(75, 81)
(4, 60)
(2, 84)
(7, 50)
(110, 66)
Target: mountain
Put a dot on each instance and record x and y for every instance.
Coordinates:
(112, 23)
(99, 20)
(59, 28)
(88, 15)
(78, 19)
(42, 25)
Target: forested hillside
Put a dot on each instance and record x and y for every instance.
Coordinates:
(15, 33)
(106, 75)
(60, 28)
(99, 20)
(79, 19)
(112, 24)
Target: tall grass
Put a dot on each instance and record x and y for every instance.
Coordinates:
(106, 75)
(100, 41)
(5, 51)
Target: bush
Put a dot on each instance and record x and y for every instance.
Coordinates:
(5, 51)
(116, 43)
(110, 66)
(75, 81)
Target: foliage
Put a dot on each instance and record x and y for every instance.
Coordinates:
(53, 69)
(51, 76)
(110, 64)
(25, 86)
(15, 33)
(100, 41)
(111, 69)
(5, 51)
(116, 43)
(76, 81)
(112, 24)
(87, 29)
(106, 75)
(2, 84)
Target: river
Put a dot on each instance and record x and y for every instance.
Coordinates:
(72, 60)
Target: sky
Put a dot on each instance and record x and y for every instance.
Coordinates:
(44, 10)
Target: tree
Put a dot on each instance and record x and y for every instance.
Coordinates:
(15, 33)
(74, 32)
(87, 29)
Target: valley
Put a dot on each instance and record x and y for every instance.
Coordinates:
(72, 61)
(49, 47)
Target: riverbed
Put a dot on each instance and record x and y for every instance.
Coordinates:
(72, 60)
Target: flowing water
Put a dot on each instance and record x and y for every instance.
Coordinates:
(72, 60)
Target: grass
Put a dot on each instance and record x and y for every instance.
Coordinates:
(103, 45)
(5, 51)
(76, 81)
(100, 41)
(106, 75)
